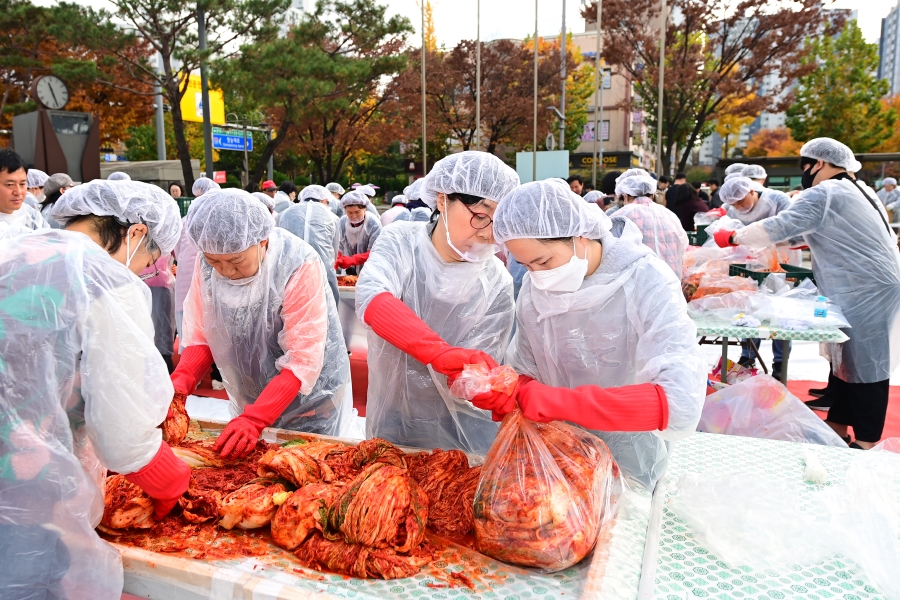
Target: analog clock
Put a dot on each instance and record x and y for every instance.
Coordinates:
(51, 92)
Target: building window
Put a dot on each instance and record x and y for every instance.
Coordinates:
(588, 135)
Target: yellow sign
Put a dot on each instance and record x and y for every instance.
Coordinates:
(192, 103)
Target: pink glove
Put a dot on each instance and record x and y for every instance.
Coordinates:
(165, 478)
(723, 238)
(641, 407)
(239, 437)
(397, 324)
(195, 361)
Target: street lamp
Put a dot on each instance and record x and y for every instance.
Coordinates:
(244, 122)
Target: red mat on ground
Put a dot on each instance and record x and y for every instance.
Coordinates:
(800, 388)
(359, 374)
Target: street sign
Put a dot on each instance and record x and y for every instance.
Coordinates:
(219, 176)
(231, 139)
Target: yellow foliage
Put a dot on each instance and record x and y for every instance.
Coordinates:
(729, 123)
(892, 144)
(773, 142)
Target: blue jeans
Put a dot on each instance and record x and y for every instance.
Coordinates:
(777, 349)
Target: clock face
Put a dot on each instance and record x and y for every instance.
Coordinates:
(52, 92)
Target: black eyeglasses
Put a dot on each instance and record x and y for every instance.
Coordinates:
(479, 220)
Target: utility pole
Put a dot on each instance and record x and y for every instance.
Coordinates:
(478, 78)
(598, 101)
(562, 98)
(204, 91)
(271, 170)
(160, 117)
(534, 129)
(424, 138)
(663, 19)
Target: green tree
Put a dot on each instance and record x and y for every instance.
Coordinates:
(170, 27)
(141, 142)
(841, 98)
(324, 83)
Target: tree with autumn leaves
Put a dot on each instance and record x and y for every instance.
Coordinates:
(715, 53)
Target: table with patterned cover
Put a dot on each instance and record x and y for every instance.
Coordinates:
(684, 569)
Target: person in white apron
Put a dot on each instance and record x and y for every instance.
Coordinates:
(82, 387)
(259, 306)
(603, 339)
(435, 299)
(358, 229)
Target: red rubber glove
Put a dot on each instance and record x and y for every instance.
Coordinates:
(358, 260)
(195, 361)
(719, 212)
(341, 262)
(641, 407)
(239, 437)
(165, 478)
(397, 324)
(723, 238)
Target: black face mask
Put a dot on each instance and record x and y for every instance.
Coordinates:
(808, 177)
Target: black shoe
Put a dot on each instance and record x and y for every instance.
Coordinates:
(819, 403)
(817, 393)
(747, 362)
(776, 370)
(855, 446)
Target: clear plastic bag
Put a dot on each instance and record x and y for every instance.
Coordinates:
(762, 407)
(546, 489)
(479, 379)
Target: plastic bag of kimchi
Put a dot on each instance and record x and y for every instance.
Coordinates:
(546, 489)
(479, 379)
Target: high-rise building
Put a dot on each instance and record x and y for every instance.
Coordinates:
(889, 50)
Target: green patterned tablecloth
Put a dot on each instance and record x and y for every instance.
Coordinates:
(712, 327)
(684, 569)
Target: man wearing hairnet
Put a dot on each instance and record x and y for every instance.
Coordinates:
(358, 230)
(313, 222)
(83, 387)
(661, 230)
(857, 266)
(603, 338)
(259, 306)
(749, 202)
(17, 216)
(436, 298)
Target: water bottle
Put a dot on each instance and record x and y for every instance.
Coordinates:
(821, 307)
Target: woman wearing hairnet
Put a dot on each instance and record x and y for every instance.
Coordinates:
(436, 298)
(258, 306)
(82, 387)
(314, 223)
(767, 196)
(186, 255)
(857, 266)
(358, 229)
(603, 338)
(397, 211)
(661, 230)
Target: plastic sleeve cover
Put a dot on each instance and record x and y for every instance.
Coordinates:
(125, 382)
(192, 321)
(804, 215)
(305, 316)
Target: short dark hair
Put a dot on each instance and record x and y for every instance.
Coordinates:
(588, 186)
(608, 183)
(680, 176)
(663, 179)
(697, 184)
(712, 182)
(178, 183)
(577, 178)
(682, 194)
(108, 228)
(288, 186)
(10, 161)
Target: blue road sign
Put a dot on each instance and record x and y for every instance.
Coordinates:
(231, 139)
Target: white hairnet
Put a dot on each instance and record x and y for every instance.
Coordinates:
(735, 168)
(315, 192)
(335, 188)
(398, 199)
(831, 151)
(735, 190)
(887, 181)
(118, 176)
(203, 185)
(228, 221)
(265, 199)
(546, 209)
(754, 172)
(474, 173)
(731, 176)
(354, 198)
(36, 178)
(637, 186)
(131, 202)
(368, 190)
(414, 190)
(634, 173)
(593, 196)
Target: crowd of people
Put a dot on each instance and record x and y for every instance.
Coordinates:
(582, 298)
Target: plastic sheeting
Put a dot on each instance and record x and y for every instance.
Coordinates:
(469, 305)
(315, 224)
(762, 407)
(856, 264)
(25, 217)
(358, 240)
(79, 376)
(627, 324)
(660, 229)
(244, 326)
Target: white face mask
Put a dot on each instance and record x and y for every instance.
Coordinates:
(478, 253)
(245, 280)
(566, 278)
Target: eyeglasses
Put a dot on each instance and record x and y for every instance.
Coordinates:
(479, 220)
